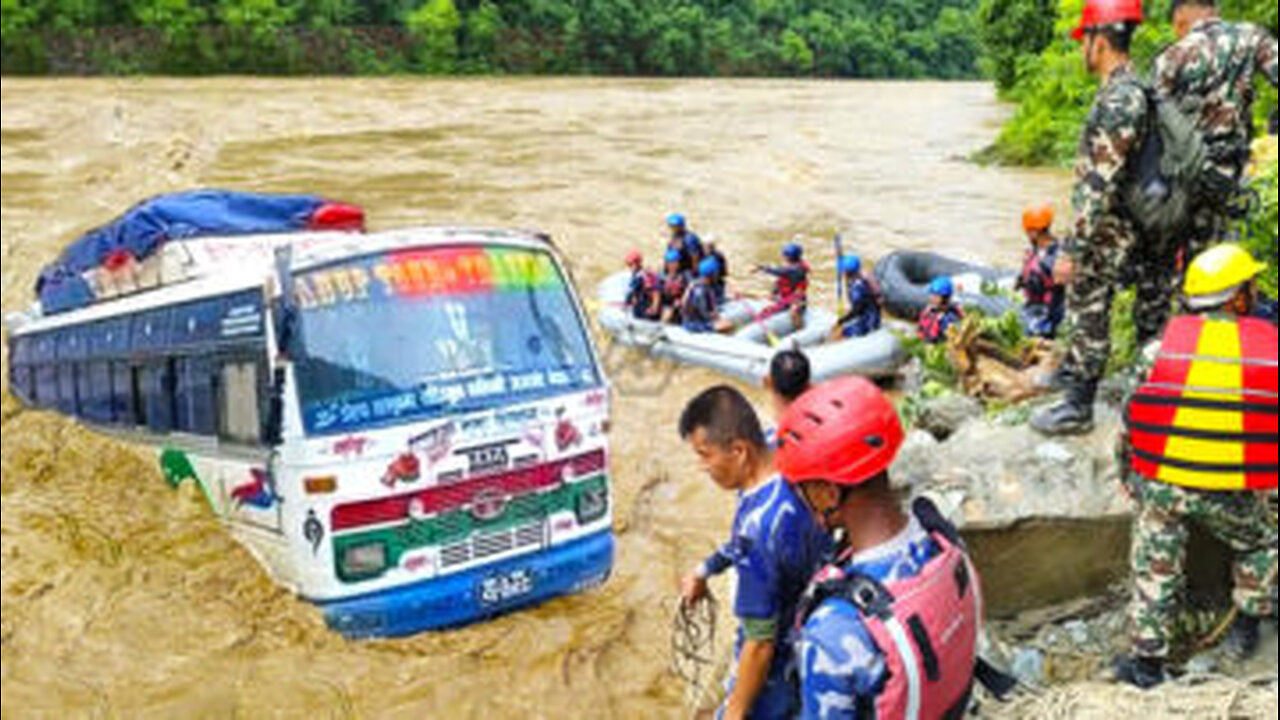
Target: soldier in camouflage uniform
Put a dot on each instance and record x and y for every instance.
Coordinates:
(1242, 519)
(1106, 250)
(1209, 74)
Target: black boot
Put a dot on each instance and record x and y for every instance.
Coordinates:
(1072, 416)
(1244, 638)
(1142, 673)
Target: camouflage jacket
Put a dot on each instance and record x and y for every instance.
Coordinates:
(1210, 76)
(1113, 133)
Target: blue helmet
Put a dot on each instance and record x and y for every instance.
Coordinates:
(708, 268)
(850, 264)
(793, 252)
(674, 256)
(676, 221)
(943, 287)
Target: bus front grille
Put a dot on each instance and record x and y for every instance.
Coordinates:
(489, 545)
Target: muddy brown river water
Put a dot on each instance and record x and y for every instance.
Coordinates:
(122, 599)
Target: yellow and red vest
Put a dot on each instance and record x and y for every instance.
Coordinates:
(1206, 416)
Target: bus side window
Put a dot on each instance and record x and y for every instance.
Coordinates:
(84, 392)
(121, 398)
(196, 396)
(20, 383)
(240, 391)
(99, 405)
(138, 395)
(158, 398)
(67, 404)
(46, 385)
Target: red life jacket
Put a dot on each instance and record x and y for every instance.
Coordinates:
(1206, 416)
(1038, 286)
(673, 288)
(934, 324)
(926, 627)
(793, 287)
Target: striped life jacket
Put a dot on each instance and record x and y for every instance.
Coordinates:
(1206, 416)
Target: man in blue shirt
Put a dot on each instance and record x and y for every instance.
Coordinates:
(775, 547)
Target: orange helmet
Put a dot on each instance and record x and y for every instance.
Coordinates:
(1098, 14)
(1038, 219)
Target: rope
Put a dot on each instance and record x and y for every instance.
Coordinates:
(693, 648)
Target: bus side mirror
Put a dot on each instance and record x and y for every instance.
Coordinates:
(273, 430)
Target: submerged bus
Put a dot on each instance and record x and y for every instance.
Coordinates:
(407, 429)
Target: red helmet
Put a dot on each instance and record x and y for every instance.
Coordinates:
(634, 259)
(844, 432)
(1100, 13)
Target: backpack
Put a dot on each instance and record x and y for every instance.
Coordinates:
(1170, 177)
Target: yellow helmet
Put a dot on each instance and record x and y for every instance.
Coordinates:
(1217, 274)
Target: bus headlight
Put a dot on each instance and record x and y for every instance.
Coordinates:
(363, 562)
(592, 504)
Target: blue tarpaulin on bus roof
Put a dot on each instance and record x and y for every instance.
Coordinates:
(139, 233)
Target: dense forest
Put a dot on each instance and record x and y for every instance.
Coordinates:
(799, 38)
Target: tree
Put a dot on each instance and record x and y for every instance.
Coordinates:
(15, 16)
(324, 13)
(261, 19)
(435, 26)
(796, 53)
(1012, 30)
(174, 17)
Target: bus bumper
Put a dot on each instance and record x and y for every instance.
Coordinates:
(456, 600)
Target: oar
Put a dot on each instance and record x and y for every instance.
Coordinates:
(840, 293)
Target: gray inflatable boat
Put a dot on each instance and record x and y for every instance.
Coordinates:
(747, 353)
(904, 278)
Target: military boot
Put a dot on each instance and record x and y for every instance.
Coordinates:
(1244, 638)
(1142, 673)
(1073, 415)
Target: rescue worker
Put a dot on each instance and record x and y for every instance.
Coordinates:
(1209, 74)
(775, 547)
(674, 284)
(791, 285)
(942, 314)
(1045, 301)
(1105, 248)
(644, 294)
(890, 630)
(1200, 447)
(699, 309)
(686, 242)
(864, 314)
(790, 376)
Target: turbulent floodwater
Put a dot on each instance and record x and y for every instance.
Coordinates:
(122, 599)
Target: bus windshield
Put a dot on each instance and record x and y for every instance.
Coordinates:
(409, 336)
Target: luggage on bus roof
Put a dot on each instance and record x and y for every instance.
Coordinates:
(140, 232)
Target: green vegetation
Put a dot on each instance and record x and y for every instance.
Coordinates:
(1051, 88)
(1053, 94)
(822, 38)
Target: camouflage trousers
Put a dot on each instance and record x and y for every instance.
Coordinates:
(1243, 520)
(1113, 259)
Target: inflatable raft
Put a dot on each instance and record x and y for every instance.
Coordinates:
(904, 278)
(747, 353)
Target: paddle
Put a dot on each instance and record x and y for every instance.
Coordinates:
(840, 289)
